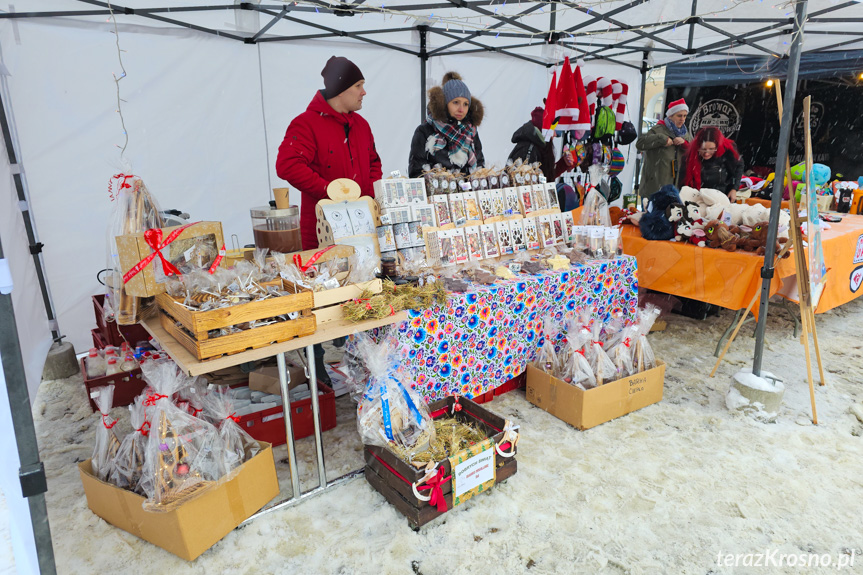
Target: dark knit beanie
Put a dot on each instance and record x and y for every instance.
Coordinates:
(536, 117)
(339, 75)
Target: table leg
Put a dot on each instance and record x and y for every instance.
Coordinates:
(313, 387)
(284, 380)
(727, 332)
(793, 317)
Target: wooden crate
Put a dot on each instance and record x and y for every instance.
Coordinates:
(400, 493)
(190, 328)
(328, 303)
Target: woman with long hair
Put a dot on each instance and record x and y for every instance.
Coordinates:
(712, 162)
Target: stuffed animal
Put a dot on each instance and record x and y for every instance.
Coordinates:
(759, 235)
(719, 236)
(674, 213)
(693, 215)
(654, 224)
(686, 233)
(712, 204)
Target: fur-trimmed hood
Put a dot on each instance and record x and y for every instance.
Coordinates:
(437, 103)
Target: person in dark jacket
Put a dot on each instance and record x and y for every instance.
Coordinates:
(330, 140)
(449, 135)
(327, 142)
(531, 146)
(712, 162)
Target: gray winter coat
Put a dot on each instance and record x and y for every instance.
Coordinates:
(660, 163)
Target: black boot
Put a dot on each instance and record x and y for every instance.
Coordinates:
(320, 366)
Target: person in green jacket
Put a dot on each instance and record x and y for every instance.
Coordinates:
(663, 148)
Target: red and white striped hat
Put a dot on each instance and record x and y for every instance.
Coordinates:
(676, 106)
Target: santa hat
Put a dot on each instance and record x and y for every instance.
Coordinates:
(620, 105)
(676, 106)
(590, 89)
(567, 99)
(549, 118)
(584, 116)
(603, 85)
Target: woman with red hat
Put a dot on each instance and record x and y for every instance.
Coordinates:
(663, 149)
(712, 162)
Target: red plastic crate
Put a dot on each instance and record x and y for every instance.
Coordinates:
(127, 385)
(269, 425)
(111, 332)
(516, 382)
(98, 339)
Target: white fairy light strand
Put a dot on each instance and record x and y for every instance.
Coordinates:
(473, 22)
(117, 82)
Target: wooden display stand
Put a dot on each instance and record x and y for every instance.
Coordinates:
(807, 300)
(344, 190)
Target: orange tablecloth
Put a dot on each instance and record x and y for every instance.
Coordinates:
(766, 203)
(731, 279)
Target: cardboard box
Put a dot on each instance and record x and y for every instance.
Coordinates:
(586, 409)
(132, 248)
(266, 378)
(197, 524)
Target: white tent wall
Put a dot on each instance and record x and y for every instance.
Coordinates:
(205, 117)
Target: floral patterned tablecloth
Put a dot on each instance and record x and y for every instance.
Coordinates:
(483, 338)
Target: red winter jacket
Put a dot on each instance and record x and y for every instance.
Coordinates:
(322, 145)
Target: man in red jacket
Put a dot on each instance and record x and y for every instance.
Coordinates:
(329, 141)
(326, 142)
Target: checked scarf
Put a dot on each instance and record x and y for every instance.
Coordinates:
(457, 140)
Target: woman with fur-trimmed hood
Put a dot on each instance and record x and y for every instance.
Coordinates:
(449, 135)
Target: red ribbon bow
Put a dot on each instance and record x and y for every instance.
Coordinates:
(298, 260)
(627, 342)
(153, 237)
(234, 417)
(123, 184)
(218, 260)
(195, 410)
(144, 429)
(152, 399)
(106, 417)
(435, 485)
(599, 343)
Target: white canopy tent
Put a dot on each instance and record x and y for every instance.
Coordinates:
(209, 90)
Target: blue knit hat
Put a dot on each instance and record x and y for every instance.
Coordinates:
(453, 88)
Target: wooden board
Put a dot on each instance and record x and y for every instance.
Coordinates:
(328, 303)
(191, 365)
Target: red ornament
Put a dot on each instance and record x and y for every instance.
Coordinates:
(182, 469)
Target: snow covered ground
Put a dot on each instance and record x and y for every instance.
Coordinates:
(664, 490)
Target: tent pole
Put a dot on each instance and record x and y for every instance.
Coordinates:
(776, 197)
(424, 59)
(644, 56)
(31, 473)
(35, 246)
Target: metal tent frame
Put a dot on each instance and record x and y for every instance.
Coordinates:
(594, 35)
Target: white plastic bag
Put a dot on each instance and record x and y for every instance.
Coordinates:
(129, 461)
(106, 444)
(237, 445)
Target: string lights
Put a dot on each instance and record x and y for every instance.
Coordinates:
(117, 80)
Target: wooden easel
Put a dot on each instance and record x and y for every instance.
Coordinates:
(807, 306)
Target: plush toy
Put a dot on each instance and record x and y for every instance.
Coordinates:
(820, 173)
(654, 224)
(693, 215)
(759, 235)
(719, 236)
(712, 204)
(674, 213)
(686, 233)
